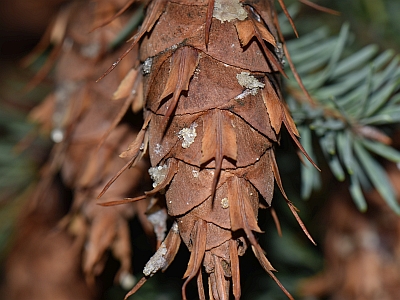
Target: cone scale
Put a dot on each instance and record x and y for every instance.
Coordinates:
(213, 114)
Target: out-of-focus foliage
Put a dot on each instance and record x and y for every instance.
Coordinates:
(352, 94)
(371, 21)
(18, 161)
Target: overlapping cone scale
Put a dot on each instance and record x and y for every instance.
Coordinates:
(213, 119)
(88, 137)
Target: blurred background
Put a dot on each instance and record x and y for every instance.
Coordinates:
(347, 263)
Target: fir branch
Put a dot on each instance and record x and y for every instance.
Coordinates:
(356, 97)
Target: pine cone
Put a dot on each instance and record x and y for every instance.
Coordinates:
(213, 113)
(81, 115)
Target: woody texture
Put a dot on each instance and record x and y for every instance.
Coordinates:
(213, 113)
